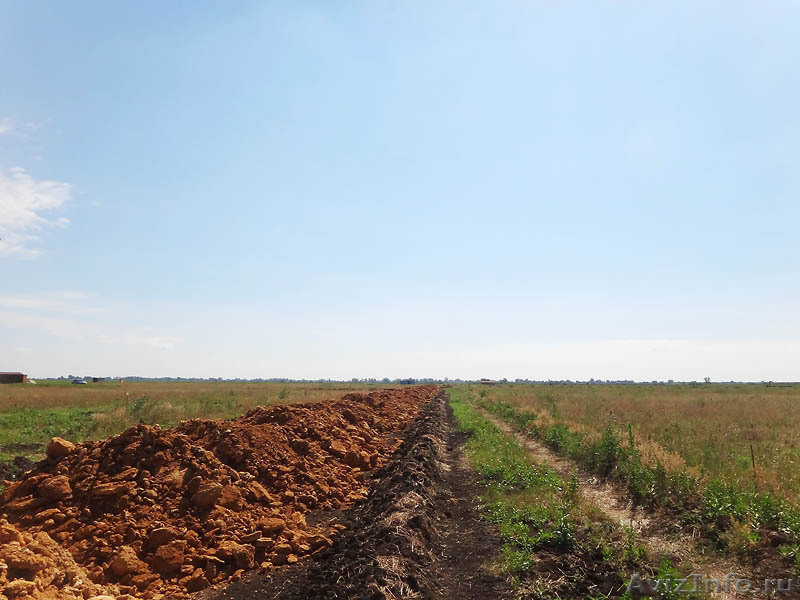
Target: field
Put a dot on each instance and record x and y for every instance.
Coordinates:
(341, 491)
(31, 414)
(708, 430)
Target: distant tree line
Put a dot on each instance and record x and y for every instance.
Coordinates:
(407, 380)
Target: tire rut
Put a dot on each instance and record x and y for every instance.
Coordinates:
(616, 505)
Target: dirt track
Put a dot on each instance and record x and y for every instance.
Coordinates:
(651, 528)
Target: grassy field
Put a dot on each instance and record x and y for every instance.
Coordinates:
(31, 414)
(707, 430)
(683, 448)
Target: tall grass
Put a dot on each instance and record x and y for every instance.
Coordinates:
(729, 510)
(32, 414)
(706, 429)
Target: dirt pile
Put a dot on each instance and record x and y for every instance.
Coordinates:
(391, 546)
(166, 512)
(35, 565)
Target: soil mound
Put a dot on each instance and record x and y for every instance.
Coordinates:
(391, 545)
(157, 512)
(386, 551)
(36, 566)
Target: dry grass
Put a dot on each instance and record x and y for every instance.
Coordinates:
(49, 394)
(708, 427)
(31, 414)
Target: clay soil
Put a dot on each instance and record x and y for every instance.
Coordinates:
(156, 513)
(417, 534)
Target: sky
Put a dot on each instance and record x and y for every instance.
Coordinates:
(541, 189)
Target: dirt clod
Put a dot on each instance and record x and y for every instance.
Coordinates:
(59, 448)
(55, 488)
(207, 494)
(35, 565)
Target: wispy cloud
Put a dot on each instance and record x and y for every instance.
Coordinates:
(67, 302)
(23, 200)
(78, 329)
(13, 127)
(160, 342)
(6, 126)
(79, 316)
(49, 325)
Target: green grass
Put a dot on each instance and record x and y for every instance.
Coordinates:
(37, 425)
(526, 501)
(533, 507)
(729, 516)
(32, 414)
(32, 425)
(706, 429)
(536, 509)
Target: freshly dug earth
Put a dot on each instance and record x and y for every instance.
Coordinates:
(417, 534)
(156, 512)
(35, 565)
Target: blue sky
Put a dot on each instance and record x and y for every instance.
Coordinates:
(519, 189)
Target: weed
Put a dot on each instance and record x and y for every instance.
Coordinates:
(607, 453)
(667, 576)
(740, 538)
(562, 440)
(633, 552)
(791, 551)
(572, 488)
(140, 407)
(563, 531)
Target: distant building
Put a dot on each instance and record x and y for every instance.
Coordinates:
(13, 378)
(98, 379)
